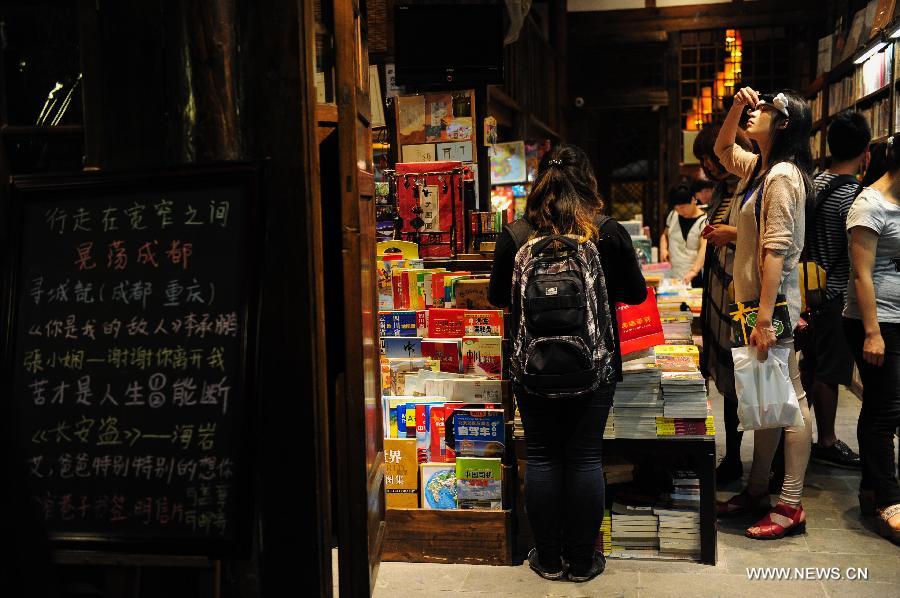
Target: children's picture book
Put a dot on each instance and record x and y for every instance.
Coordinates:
(479, 483)
(743, 317)
(483, 356)
(401, 468)
(478, 433)
(438, 485)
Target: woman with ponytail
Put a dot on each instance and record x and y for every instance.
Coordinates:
(770, 234)
(872, 327)
(564, 486)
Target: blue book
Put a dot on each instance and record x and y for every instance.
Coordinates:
(401, 347)
(479, 432)
(397, 323)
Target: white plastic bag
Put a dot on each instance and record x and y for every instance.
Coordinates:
(766, 397)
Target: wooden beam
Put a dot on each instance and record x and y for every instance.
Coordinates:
(631, 98)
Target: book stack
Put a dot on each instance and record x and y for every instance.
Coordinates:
(679, 532)
(604, 538)
(637, 401)
(677, 329)
(634, 527)
(684, 395)
(609, 432)
(679, 426)
(518, 428)
(685, 490)
(617, 470)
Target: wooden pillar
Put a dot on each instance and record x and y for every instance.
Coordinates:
(673, 123)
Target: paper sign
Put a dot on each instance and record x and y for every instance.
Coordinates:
(428, 200)
(411, 117)
(460, 151)
(421, 152)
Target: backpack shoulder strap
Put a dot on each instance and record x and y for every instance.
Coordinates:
(519, 230)
(832, 186)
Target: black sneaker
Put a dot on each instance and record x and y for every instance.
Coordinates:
(598, 564)
(836, 455)
(729, 470)
(535, 564)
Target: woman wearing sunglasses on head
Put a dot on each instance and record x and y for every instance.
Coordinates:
(770, 232)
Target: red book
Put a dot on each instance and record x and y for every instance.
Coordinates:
(446, 323)
(483, 356)
(447, 351)
(422, 322)
(438, 451)
(484, 322)
(400, 287)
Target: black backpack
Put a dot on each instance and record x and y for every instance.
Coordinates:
(562, 333)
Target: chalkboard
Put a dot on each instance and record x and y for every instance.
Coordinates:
(131, 351)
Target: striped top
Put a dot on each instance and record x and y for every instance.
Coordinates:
(828, 238)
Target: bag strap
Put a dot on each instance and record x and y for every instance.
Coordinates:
(521, 229)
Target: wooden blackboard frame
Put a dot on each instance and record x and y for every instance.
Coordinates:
(244, 176)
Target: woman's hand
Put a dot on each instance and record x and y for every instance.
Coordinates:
(721, 235)
(664, 255)
(873, 349)
(690, 276)
(763, 338)
(746, 97)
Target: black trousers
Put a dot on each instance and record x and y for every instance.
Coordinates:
(564, 486)
(880, 413)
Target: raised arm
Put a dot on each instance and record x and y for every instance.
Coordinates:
(735, 159)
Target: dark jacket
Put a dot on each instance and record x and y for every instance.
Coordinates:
(624, 279)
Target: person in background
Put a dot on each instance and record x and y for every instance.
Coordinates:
(770, 223)
(826, 359)
(681, 243)
(872, 326)
(704, 191)
(716, 324)
(564, 488)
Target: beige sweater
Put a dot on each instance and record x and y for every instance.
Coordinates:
(782, 226)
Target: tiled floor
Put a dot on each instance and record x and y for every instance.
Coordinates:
(836, 537)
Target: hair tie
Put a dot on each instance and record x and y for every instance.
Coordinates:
(555, 162)
(890, 142)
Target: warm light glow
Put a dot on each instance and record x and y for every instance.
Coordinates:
(871, 52)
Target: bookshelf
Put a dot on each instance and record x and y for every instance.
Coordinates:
(870, 88)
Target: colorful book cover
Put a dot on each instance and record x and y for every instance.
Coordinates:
(400, 288)
(398, 347)
(401, 483)
(743, 316)
(484, 322)
(483, 356)
(385, 283)
(422, 322)
(395, 371)
(446, 350)
(409, 412)
(397, 323)
(478, 433)
(446, 323)
(472, 293)
(673, 358)
(438, 485)
(450, 286)
(423, 429)
(437, 449)
(479, 483)
(423, 288)
(639, 325)
(449, 413)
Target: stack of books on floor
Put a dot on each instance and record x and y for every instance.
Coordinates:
(617, 470)
(518, 428)
(609, 432)
(635, 531)
(604, 538)
(679, 532)
(637, 401)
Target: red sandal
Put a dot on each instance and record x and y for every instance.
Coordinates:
(743, 504)
(783, 520)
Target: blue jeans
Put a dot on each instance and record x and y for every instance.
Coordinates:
(564, 487)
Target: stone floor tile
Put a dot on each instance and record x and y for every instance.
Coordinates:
(416, 577)
(849, 542)
(861, 589)
(680, 585)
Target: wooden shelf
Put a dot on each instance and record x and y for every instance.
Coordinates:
(875, 95)
(326, 113)
(817, 85)
(881, 139)
(841, 70)
(819, 124)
